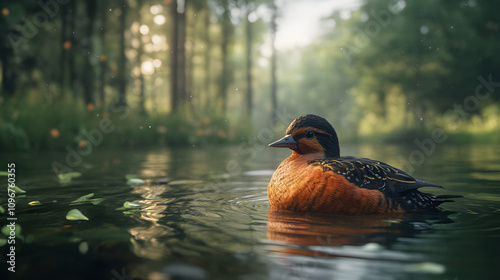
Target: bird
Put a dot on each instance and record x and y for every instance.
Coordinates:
(316, 179)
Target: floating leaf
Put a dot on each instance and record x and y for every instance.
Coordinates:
(96, 201)
(7, 229)
(130, 176)
(84, 198)
(130, 205)
(186, 182)
(135, 181)
(3, 241)
(34, 203)
(75, 215)
(2, 210)
(4, 173)
(67, 177)
(83, 248)
(18, 190)
(427, 267)
(372, 247)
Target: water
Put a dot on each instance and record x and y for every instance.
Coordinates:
(212, 220)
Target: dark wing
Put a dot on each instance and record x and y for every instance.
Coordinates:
(392, 182)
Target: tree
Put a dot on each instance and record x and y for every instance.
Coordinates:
(274, 80)
(227, 32)
(89, 73)
(178, 58)
(249, 50)
(122, 59)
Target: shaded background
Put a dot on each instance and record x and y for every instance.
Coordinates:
(215, 71)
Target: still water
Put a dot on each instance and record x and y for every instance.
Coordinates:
(211, 220)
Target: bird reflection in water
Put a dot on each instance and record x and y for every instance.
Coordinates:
(313, 234)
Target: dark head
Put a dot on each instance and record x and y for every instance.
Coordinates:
(310, 134)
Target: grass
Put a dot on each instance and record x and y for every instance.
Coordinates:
(27, 126)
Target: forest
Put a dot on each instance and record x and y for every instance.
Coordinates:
(136, 73)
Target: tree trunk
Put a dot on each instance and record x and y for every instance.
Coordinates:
(122, 73)
(71, 47)
(190, 85)
(249, 77)
(274, 82)
(89, 74)
(9, 77)
(226, 37)
(208, 47)
(63, 50)
(140, 52)
(178, 60)
(174, 97)
(181, 54)
(102, 55)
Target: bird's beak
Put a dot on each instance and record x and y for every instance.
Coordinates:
(285, 142)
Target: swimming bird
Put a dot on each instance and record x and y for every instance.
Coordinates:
(315, 178)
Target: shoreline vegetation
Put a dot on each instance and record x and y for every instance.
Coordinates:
(25, 126)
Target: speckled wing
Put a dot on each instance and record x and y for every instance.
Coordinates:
(371, 174)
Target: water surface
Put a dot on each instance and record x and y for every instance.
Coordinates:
(212, 222)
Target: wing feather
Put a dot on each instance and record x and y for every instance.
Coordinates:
(372, 174)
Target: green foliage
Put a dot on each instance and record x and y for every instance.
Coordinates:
(392, 70)
(388, 71)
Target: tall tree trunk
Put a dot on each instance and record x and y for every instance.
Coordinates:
(9, 77)
(71, 47)
(208, 47)
(178, 60)
(89, 74)
(63, 51)
(249, 50)
(226, 37)
(174, 97)
(102, 55)
(181, 55)
(274, 82)
(122, 73)
(190, 85)
(140, 52)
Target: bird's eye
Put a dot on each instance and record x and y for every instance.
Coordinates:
(309, 134)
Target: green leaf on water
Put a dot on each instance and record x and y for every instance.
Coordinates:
(84, 198)
(130, 205)
(3, 241)
(96, 201)
(130, 176)
(2, 210)
(67, 177)
(18, 190)
(34, 203)
(75, 215)
(185, 182)
(427, 267)
(4, 173)
(136, 181)
(83, 248)
(7, 229)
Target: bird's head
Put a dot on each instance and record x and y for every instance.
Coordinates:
(310, 134)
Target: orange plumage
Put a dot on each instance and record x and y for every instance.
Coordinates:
(316, 179)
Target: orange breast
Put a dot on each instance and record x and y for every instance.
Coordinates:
(298, 186)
